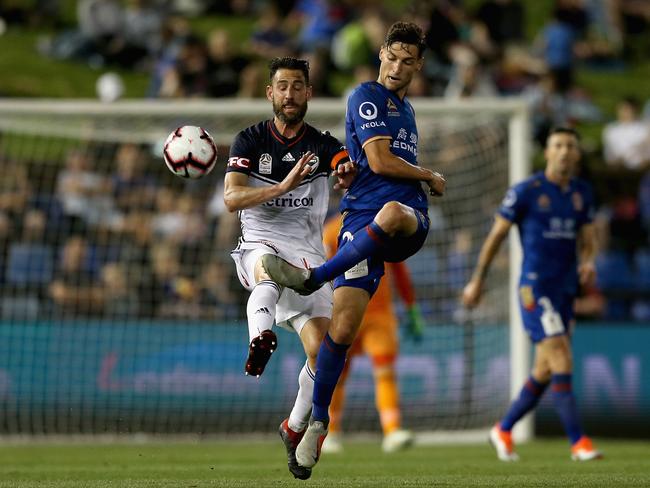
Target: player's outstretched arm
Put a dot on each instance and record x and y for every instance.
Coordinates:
(238, 195)
(587, 249)
(383, 162)
(474, 289)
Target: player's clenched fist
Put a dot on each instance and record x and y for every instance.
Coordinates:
(437, 184)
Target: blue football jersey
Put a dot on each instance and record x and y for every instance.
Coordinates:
(549, 219)
(374, 112)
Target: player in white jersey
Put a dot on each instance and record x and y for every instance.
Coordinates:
(277, 178)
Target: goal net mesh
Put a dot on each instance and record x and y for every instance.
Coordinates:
(119, 307)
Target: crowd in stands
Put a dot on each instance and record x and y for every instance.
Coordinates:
(100, 237)
(473, 51)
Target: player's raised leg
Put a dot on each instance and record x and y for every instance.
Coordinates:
(394, 220)
(260, 311)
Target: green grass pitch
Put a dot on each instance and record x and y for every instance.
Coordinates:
(260, 464)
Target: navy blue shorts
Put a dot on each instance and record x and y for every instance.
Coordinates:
(545, 312)
(367, 273)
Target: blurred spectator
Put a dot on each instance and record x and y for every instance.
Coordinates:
(626, 142)
(318, 21)
(644, 201)
(445, 21)
(178, 218)
(119, 298)
(189, 77)
(216, 298)
(174, 30)
(451, 33)
(135, 255)
(15, 190)
(99, 22)
(140, 37)
(133, 188)
(225, 65)
(551, 107)
(557, 40)
(30, 260)
(174, 294)
(84, 193)
(269, 39)
(635, 16)
(74, 291)
(225, 226)
(358, 42)
(254, 78)
(469, 78)
(504, 20)
(5, 238)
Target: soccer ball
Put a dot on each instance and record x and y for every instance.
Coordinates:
(190, 152)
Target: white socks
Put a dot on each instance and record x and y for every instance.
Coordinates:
(302, 408)
(260, 308)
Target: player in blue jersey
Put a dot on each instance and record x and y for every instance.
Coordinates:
(384, 214)
(553, 211)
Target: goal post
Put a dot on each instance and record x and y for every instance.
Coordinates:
(153, 338)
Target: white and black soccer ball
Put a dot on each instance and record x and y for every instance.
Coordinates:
(190, 152)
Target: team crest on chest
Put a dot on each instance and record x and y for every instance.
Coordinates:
(392, 109)
(313, 162)
(544, 203)
(266, 165)
(578, 203)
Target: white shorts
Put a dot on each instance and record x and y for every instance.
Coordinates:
(293, 310)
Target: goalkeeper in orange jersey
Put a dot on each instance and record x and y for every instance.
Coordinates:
(378, 339)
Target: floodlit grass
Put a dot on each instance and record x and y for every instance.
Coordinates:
(261, 464)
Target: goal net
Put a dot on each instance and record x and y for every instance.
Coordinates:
(119, 308)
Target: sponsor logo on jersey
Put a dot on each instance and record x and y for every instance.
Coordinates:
(236, 162)
(266, 165)
(288, 157)
(290, 202)
(406, 146)
(527, 298)
(544, 203)
(392, 109)
(374, 123)
(578, 203)
(368, 111)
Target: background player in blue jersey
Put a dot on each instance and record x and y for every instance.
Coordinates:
(277, 178)
(384, 213)
(553, 212)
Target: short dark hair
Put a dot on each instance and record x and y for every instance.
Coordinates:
(563, 130)
(289, 63)
(407, 33)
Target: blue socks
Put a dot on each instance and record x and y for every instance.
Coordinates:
(329, 365)
(565, 405)
(365, 243)
(527, 400)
